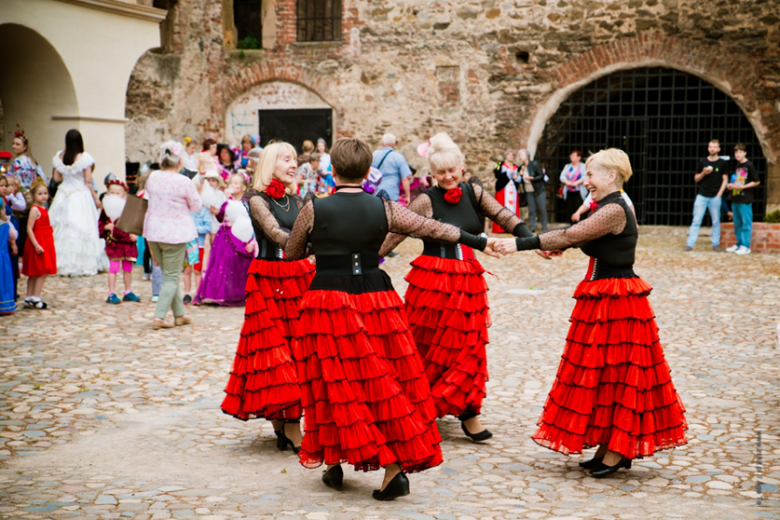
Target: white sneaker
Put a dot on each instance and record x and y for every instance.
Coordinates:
(732, 249)
(147, 276)
(742, 250)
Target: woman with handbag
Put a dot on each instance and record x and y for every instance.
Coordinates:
(168, 227)
(572, 178)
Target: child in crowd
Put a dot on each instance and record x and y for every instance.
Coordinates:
(40, 258)
(224, 282)
(7, 251)
(121, 247)
(743, 185)
(306, 176)
(203, 227)
(213, 198)
(13, 198)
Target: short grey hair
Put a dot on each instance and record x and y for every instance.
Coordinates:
(171, 152)
(524, 151)
(388, 140)
(314, 156)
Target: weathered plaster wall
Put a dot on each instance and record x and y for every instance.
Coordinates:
(489, 72)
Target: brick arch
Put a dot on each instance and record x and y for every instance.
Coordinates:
(737, 79)
(247, 77)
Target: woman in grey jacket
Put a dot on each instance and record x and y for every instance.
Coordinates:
(533, 181)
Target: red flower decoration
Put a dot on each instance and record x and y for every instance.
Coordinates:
(593, 205)
(453, 196)
(275, 190)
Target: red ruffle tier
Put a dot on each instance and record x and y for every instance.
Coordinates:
(363, 389)
(263, 381)
(284, 283)
(447, 305)
(613, 384)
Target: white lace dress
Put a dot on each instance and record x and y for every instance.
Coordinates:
(74, 218)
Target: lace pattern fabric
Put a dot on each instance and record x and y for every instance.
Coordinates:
(400, 221)
(607, 219)
(260, 211)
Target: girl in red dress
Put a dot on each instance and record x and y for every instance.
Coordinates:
(264, 381)
(40, 258)
(508, 187)
(446, 300)
(613, 389)
(364, 393)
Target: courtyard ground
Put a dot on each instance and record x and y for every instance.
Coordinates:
(102, 417)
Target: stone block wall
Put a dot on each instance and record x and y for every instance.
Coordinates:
(488, 72)
(764, 239)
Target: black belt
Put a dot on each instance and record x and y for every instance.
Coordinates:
(452, 251)
(270, 251)
(603, 270)
(354, 264)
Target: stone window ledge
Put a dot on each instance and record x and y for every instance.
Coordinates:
(248, 53)
(325, 44)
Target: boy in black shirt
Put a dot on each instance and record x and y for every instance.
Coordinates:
(742, 186)
(711, 180)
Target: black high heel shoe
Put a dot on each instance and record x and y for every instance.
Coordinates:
(477, 437)
(604, 471)
(592, 463)
(283, 441)
(334, 478)
(398, 487)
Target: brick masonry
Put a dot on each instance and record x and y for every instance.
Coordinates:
(764, 239)
(490, 73)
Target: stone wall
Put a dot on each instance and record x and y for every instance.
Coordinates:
(488, 72)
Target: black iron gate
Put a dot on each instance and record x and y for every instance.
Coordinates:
(663, 118)
(296, 125)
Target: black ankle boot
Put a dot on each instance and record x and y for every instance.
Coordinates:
(334, 477)
(283, 441)
(398, 487)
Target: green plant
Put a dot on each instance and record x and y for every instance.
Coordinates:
(248, 42)
(773, 218)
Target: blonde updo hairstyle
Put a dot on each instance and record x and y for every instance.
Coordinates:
(264, 172)
(443, 153)
(612, 159)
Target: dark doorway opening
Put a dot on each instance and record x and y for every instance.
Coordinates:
(296, 125)
(663, 118)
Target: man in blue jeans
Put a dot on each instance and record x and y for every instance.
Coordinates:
(711, 179)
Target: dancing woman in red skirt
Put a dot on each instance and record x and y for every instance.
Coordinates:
(264, 381)
(613, 388)
(365, 395)
(446, 300)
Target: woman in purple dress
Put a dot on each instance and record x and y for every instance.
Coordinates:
(224, 282)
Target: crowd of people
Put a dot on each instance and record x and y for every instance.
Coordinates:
(297, 239)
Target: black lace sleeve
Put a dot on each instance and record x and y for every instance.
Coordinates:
(610, 218)
(496, 212)
(402, 221)
(296, 247)
(261, 213)
(422, 206)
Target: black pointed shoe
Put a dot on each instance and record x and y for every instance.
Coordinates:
(398, 487)
(592, 463)
(334, 478)
(283, 441)
(604, 471)
(478, 437)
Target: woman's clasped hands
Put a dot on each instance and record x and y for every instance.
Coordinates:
(498, 247)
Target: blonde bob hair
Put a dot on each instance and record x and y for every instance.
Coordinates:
(443, 153)
(612, 159)
(264, 172)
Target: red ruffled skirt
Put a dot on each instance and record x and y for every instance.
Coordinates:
(447, 305)
(613, 384)
(284, 284)
(364, 393)
(264, 381)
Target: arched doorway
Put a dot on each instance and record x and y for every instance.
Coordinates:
(663, 118)
(35, 86)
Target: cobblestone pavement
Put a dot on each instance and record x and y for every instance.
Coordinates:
(102, 417)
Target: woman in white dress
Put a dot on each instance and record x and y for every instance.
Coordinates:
(74, 211)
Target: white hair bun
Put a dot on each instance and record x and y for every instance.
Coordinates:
(443, 152)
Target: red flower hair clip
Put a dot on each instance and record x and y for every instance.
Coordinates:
(20, 134)
(453, 196)
(275, 190)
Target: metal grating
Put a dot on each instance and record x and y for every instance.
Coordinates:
(318, 20)
(663, 118)
(248, 20)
